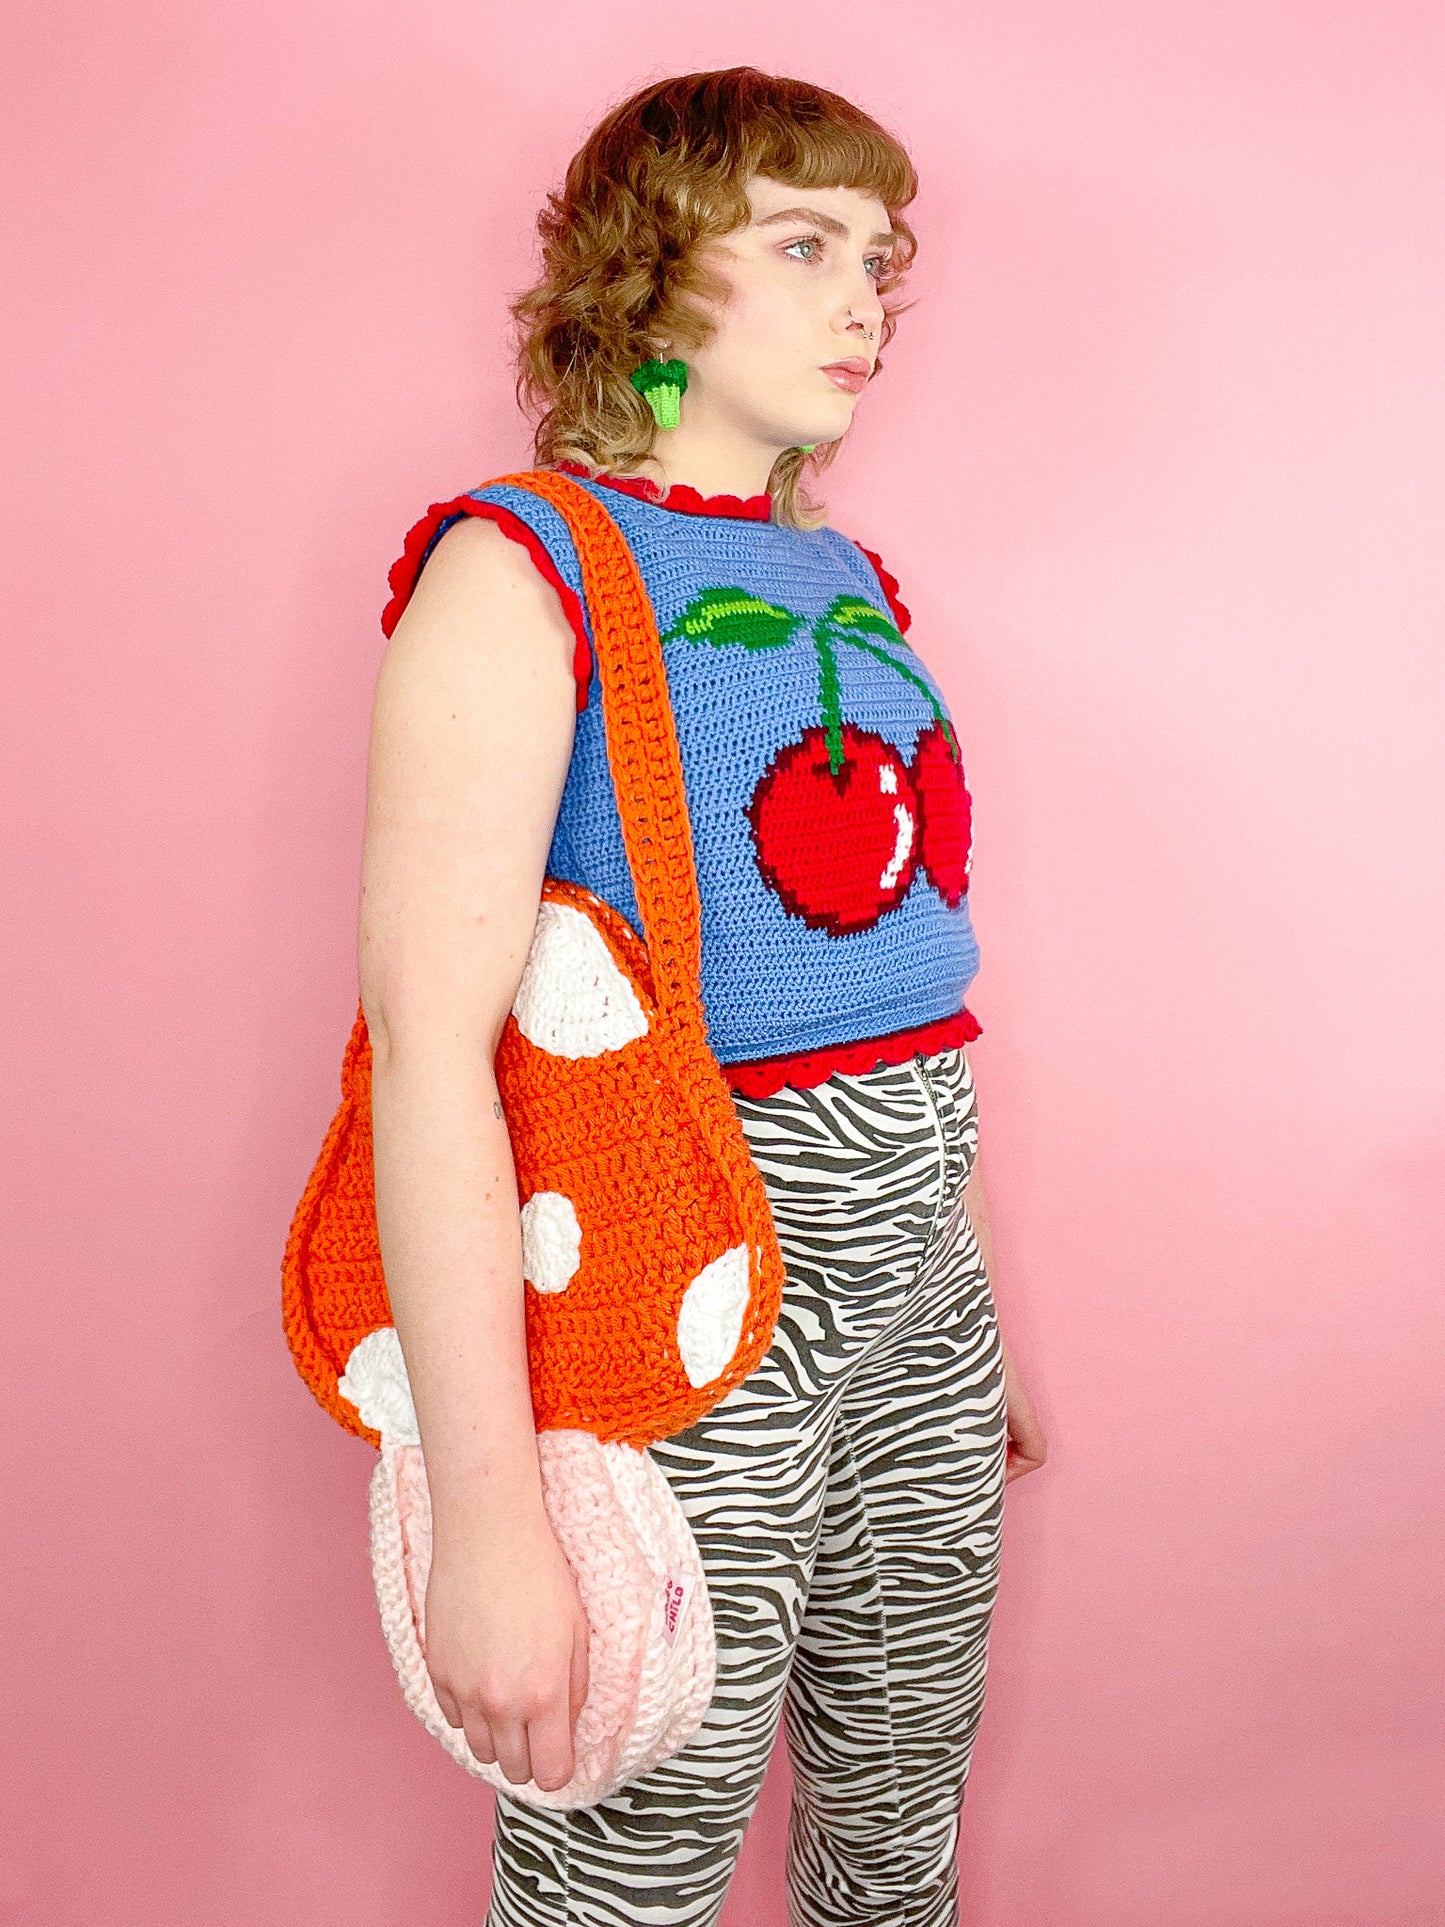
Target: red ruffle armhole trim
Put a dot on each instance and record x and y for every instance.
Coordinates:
(901, 614)
(804, 1069)
(407, 567)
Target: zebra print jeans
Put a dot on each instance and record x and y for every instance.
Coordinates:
(847, 1500)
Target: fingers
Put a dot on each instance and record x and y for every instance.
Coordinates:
(581, 1672)
(524, 1722)
(539, 1747)
(552, 1736)
(474, 1725)
(1026, 1449)
(545, 1748)
(508, 1745)
(549, 1738)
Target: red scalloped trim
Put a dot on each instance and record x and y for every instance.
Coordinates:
(803, 1069)
(901, 614)
(681, 495)
(404, 571)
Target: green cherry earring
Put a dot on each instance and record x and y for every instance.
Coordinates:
(661, 384)
(807, 447)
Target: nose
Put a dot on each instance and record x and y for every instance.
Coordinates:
(865, 312)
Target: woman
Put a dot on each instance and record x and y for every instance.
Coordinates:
(847, 1495)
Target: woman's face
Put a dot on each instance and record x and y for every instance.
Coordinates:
(803, 274)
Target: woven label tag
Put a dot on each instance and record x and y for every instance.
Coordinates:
(676, 1592)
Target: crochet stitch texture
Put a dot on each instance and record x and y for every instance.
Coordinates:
(831, 820)
(652, 1269)
(647, 1238)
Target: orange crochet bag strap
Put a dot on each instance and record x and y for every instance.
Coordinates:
(642, 749)
(334, 1295)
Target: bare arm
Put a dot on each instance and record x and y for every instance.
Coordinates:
(471, 737)
(1027, 1445)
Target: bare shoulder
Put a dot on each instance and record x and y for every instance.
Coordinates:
(480, 582)
(483, 643)
(472, 731)
(481, 658)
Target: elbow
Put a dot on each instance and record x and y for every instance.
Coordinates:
(436, 1038)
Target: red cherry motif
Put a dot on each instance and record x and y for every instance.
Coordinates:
(945, 810)
(839, 848)
(840, 822)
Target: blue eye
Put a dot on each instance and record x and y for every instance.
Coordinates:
(815, 241)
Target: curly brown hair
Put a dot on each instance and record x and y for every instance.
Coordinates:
(663, 174)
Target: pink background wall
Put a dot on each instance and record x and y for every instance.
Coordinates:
(1158, 461)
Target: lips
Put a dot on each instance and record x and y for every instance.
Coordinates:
(851, 374)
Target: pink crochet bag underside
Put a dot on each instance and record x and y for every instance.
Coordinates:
(651, 1651)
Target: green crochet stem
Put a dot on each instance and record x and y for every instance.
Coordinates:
(730, 617)
(829, 700)
(851, 613)
(661, 385)
(883, 656)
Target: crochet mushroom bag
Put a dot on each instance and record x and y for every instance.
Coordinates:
(652, 1270)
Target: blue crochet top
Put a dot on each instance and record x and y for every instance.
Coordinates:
(830, 819)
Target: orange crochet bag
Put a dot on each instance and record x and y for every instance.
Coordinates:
(651, 1265)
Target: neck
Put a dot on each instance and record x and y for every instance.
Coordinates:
(710, 465)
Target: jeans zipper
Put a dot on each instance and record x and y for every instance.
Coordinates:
(921, 1067)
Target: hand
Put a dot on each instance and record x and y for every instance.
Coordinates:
(506, 1647)
(1027, 1448)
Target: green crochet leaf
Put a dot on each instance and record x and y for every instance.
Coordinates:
(852, 612)
(726, 617)
(850, 619)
